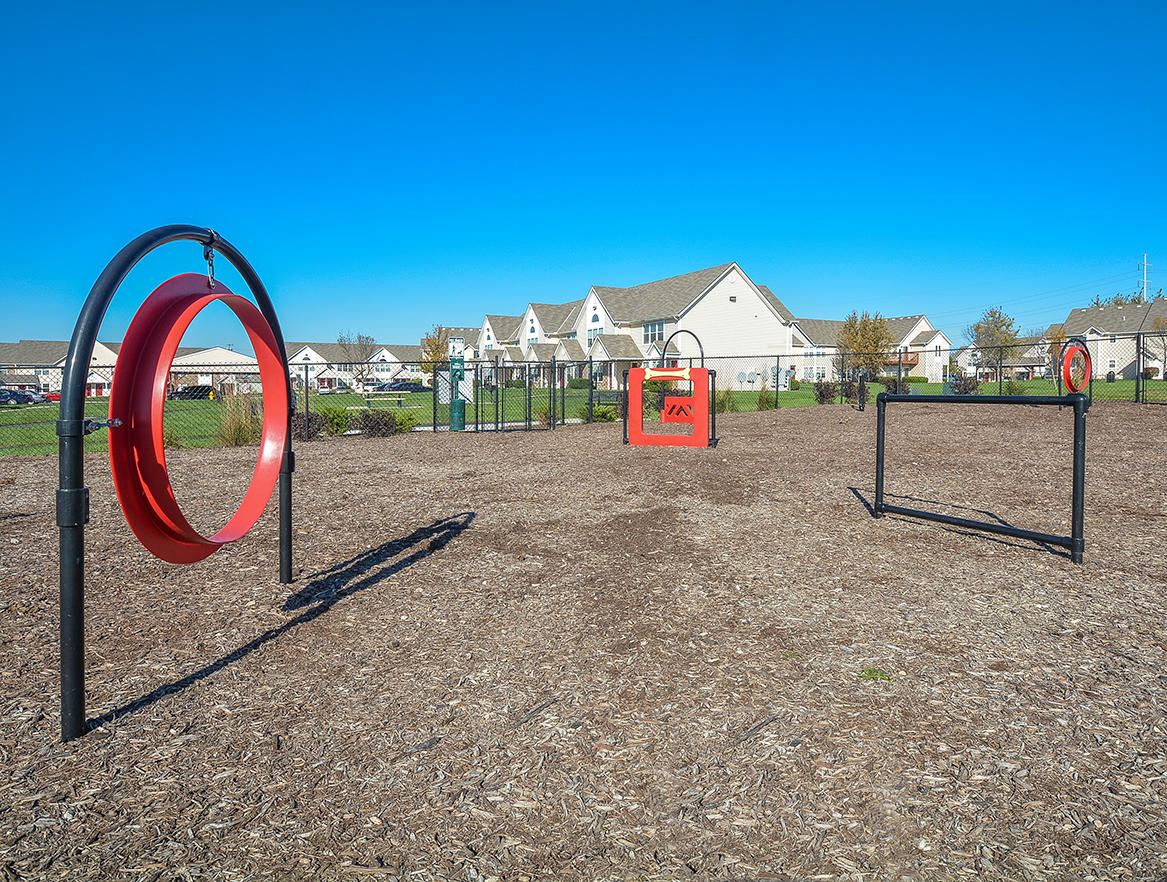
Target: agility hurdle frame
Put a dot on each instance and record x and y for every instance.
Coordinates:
(1075, 542)
(72, 502)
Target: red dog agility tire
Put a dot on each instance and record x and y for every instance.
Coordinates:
(1068, 375)
(137, 397)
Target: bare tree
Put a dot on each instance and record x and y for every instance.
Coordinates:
(358, 350)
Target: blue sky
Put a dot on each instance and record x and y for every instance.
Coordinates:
(385, 167)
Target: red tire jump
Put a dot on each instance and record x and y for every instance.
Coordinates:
(1068, 375)
(137, 396)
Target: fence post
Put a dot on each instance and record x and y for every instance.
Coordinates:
(500, 394)
(528, 370)
(899, 369)
(477, 395)
(1138, 367)
(624, 400)
(551, 378)
(712, 409)
(777, 378)
(434, 381)
(591, 392)
(842, 377)
(305, 402)
(1000, 369)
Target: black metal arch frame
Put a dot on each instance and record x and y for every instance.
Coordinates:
(665, 348)
(72, 426)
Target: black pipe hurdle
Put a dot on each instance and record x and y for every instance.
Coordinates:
(1075, 542)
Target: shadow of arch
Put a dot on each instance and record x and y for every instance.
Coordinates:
(326, 589)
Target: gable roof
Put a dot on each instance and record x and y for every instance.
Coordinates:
(821, 332)
(923, 337)
(666, 298)
(619, 347)
(334, 353)
(779, 306)
(1115, 319)
(505, 327)
(902, 325)
(34, 352)
(405, 352)
(553, 315)
(573, 349)
(542, 351)
(469, 335)
(513, 353)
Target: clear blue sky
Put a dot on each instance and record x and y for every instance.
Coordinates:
(386, 167)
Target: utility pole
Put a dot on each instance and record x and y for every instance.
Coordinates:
(1146, 268)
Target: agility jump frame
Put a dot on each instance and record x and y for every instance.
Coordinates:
(1075, 542)
(72, 501)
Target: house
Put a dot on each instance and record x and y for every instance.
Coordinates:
(612, 355)
(1112, 334)
(918, 347)
(332, 365)
(45, 359)
(496, 332)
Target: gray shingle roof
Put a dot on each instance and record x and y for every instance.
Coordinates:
(665, 298)
(553, 315)
(33, 352)
(505, 327)
(1115, 319)
(410, 352)
(923, 337)
(335, 353)
(470, 335)
(514, 353)
(542, 351)
(619, 347)
(573, 349)
(901, 326)
(821, 332)
(786, 314)
(19, 380)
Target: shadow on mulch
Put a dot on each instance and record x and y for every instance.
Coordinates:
(960, 531)
(326, 589)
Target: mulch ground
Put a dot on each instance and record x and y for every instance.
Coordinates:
(549, 655)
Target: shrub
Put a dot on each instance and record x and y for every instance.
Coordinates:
(794, 385)
(238, 425)
(893, 387)
(1149, 373)
(516, 384)
(915, 379)
(724, 402)
(543, 415)
(405, 419)
(578, 383)
(581, 413)
(604, 414)
(963, 385)
(377, 422)
(851, 391)
(1012, 387)
(765, 397)
(337, 419)
(315, 425)
(170, 438)
(825, 392)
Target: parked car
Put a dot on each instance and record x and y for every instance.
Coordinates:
(193, 393)
(17, 396)
(53, 396)
(406, 386)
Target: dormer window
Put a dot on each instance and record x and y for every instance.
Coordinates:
(595, 318)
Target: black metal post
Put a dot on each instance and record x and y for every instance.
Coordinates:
(1078, 513)
(72, 498)
(500, 393)
(551, 389)
(1138, 367)
(880, 431)
(624, 399)
(842, 378)
(305, 402)
(1000, 370)
(477, 398)
(434, 395)
(899, 369)
(528, 369)
(863, 392)
(712, 409)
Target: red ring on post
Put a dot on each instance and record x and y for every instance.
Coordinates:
(137, 396)
(1068, 356)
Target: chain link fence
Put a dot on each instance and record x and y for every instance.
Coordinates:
(222, 404)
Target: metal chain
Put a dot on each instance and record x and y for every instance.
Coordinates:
(209, 257)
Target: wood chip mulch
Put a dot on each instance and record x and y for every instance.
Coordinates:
(545, 654)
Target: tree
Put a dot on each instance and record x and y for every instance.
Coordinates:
(864, 342)
(995, 329)
(1138, 298)
(435, 349)
(1053, 350)
(357, 350)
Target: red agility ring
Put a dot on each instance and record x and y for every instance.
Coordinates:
(137, 396)
(1067, 376)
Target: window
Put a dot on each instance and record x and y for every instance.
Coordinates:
(593, 333)
(531, 341)
(595, 316)
(654, 331)
(488, 335)
(937, 350)
(1112, 338)
(1112, 364)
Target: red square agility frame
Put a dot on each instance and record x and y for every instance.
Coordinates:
(686, 409)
